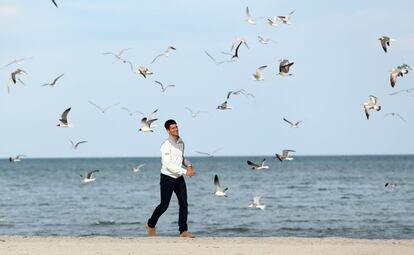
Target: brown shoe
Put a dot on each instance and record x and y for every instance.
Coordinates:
(186, 234)
(151, 231)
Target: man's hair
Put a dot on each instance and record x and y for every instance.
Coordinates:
(168, 123)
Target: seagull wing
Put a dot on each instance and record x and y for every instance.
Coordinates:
(252, 164)
(78, 143)
(256, 200)
(64, 117)
(90, 174)
(152, 115)
(57, 78)
(383, 44)
(107, 108)
(97, 106)
(288, 121)
(236, 54)
(54, 2)
(162, 54)
(217, 183)
(373, 99)
(248, 12)
(203, 153)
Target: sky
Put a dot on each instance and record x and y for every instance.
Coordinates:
(338, 63)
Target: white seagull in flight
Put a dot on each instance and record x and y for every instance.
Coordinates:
(76, 145)
(166, 53)
(258, 166)
(284, 156)
(53, 83)
(258, 75)
(164, 88)
(137, 169)
(103, 110)
(194, 114)
(90, 176)
(256, 203)
(220, 192)
(371, 104)
(293, 125)
(64, 123)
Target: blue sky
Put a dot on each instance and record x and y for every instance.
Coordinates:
(338, 64)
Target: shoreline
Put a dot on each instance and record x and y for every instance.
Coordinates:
(202, 245)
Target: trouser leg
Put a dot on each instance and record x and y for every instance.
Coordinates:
(166, 188)
(180, 189)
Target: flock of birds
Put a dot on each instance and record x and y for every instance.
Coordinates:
(148, 120)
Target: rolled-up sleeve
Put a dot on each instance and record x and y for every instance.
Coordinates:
(166, 161)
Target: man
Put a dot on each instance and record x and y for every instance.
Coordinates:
(172, 180)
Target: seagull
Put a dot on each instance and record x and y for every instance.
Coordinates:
(18, 158)
(285, 155)
(218, 62)
(137, 169)
(293, 125)
(273, 21)
(16, 61)
(119, 58)
(249, 18)
(53, 1)
(236, 52)
(220, 192)
(236, 93)
(130, 112)
(193, 113)
(256, 204)
(163, 89)
(391, 184)
(258, 76)
(404, 90)
(76, 145)
(64, 119)
(146, 122)
(286, 19)
(166, 53)
(258, 166)
(371, 104)
(401, 70)
(103, 110)
(385, 41)
(144, 71)
(14, 74)
(284, 67)
(224, 106)
(53, 83)
(89, 177)
(395, 114)
(265, 40)
(236, 43)
(209, 154)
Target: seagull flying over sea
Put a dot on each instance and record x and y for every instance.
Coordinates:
(209, 154)
(220, 192)
(284, 156)
(293, 125)
(385, 41)
(286, 19)
(137, 169)
(166, 53)
(76, 145)
(401, 70)
(258, 166)
(64, 119)
(258, 76)
(371, 104)
(144, 71)
(164, 88)
(53, 83)
(391, 184)
(103, 110)
(284, 67)
(394, 114)
(224, 106)
(249, 18)
(194, 114)
(131, 113)
(90, 176)
(256, 204)
(18, 158)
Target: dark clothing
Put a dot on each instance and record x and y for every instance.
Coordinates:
(168, 185)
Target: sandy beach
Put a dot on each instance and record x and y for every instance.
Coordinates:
(205, 245)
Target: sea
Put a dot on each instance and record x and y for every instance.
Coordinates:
(310, 196)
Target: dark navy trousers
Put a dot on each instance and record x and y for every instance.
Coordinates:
(168, 185)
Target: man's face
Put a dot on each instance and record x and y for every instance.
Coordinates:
(173, 130)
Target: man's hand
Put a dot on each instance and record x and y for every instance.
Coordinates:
(190, 171)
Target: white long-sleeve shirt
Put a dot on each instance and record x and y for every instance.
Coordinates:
(172, 158)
